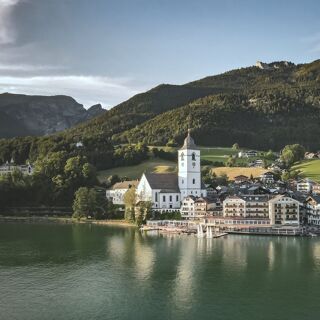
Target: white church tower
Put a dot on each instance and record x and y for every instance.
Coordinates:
(189, 169)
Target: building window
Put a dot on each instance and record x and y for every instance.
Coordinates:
(182, 181)
(194, 181)
(170, 198)
(156, 197)
(193, 156)
(177, 198)
(163, 198)
(182, 156)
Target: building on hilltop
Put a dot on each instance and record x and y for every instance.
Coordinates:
(167, 190)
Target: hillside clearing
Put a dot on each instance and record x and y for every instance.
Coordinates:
(236, 171)
(309, 169)
(135, 172)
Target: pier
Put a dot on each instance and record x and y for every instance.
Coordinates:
(188, 227)
(208, 229)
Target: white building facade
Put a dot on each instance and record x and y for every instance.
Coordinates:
(167, 190)
(117, 191)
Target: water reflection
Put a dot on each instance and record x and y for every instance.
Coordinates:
(94, 272)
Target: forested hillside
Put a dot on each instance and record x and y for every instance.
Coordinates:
(256, 107)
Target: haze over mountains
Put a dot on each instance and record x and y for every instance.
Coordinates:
(266, 106)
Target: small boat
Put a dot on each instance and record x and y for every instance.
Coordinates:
(200, 233)
(209, 232)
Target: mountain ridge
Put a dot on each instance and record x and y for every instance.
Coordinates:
(41, 115)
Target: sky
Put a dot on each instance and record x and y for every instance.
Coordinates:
(105, 51)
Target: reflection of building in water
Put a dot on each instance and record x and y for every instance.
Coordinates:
(144, 257)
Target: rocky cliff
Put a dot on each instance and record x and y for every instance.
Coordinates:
(22, 115)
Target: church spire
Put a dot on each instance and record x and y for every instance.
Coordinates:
(189, 142)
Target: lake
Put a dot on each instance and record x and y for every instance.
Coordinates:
(50, 271)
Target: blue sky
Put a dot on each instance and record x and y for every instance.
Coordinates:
(103, 51)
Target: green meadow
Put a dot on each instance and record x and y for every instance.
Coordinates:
(215, 154)
(309, 169)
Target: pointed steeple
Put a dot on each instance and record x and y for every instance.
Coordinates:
(189, 142)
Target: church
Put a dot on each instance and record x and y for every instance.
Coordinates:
(167, 190)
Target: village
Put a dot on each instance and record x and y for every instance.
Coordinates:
(261, 205)
(251, 205)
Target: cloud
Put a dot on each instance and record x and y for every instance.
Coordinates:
(7, 31)
(88, 90)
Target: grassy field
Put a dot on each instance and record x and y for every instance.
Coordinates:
(236, 171)
(135, 172)
(207, 153)
(216, 154)
(160, 166)
(309, 169)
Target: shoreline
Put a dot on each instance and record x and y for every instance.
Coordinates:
(63, 220)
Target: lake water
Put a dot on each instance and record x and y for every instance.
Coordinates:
(101, 272)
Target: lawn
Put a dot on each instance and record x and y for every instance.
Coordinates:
(207, 153)
(161, 166)
(309, 169)
(216, 154)
(236, 171)
(135, 172)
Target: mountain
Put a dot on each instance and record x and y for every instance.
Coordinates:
(256, 107)
(264, 106)
(272, 96)
(22, 115)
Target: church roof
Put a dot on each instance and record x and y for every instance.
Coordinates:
(163, 181)
(189, 143)
(125, 184)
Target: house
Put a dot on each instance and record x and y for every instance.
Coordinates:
(240, 179)
(258, 163)
(167, 190)
(310, 155)
(247, 154)
(6, 168)
(267, 177)
(118, 190)
(313, 210)
(187, 208)
(304, 186)
(284, 210)
(316, 188)
(193, 207)
(262, 209)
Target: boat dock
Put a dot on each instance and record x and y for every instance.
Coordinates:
(198, 229)
(208, 229)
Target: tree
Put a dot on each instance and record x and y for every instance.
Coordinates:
(269, 155)
(129, 199)
(231, 161)
(144, 212)
(292, 153)
(235, 146)
(287, 175)
(85, 203)
(111, 180)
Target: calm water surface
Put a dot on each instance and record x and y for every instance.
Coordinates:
(94, 272)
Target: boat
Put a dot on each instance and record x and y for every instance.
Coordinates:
(209, 232)
(200, 233)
